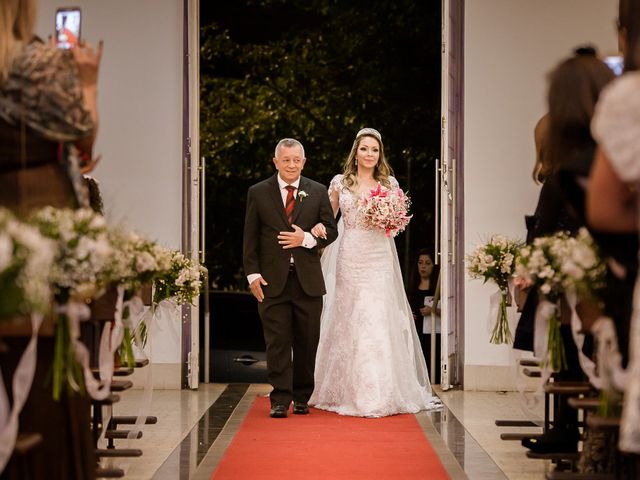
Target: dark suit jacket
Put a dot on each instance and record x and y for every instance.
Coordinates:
(265, 218)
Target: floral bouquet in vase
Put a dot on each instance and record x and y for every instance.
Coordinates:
(555, 265)
(495, 261)
(384, 209)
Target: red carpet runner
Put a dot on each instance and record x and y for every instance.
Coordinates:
(328, 446)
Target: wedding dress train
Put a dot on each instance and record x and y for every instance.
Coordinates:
(369, 361)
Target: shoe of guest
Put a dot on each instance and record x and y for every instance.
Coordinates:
(554, 440)
(278, 411)
(300, 408)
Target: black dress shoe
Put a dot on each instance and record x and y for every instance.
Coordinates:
(554, 440)
(300, 408)
(278, 411)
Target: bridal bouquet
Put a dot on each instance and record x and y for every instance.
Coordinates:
(384, 209)
(557, 264)
(495, 261)
(25, 262)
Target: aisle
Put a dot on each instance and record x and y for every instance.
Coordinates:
(326, 445)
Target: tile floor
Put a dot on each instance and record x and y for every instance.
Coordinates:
(195, 427)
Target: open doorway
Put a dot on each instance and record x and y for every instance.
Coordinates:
(317, 71)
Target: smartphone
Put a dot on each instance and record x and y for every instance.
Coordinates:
(615, 63)
(68, 22)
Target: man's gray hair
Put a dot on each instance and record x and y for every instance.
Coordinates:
(289, 142)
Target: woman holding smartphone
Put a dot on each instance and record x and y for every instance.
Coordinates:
(48, 123)
(49, 116)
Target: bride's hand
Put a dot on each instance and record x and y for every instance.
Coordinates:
(319, 231)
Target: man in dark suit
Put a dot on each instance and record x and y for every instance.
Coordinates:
(283, 269)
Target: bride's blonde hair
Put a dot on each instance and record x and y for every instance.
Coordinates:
(382, 170)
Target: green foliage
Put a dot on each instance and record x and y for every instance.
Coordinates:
(317, 71)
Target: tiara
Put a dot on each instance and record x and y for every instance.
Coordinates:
(370, 131)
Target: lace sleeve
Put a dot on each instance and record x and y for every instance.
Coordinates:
(616, 125)
(393, 182)
(336, 184)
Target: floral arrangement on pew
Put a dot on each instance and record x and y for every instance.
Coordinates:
(136, 264)
(25, 261)
(61, 260)
(181, 282)
(384, 209)
(555, 265)
(495, 261)
(79, 274)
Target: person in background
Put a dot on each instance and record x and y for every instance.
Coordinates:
(48, 114)
(612, 195)
(48, 123)
(421, 293)
(574, 88)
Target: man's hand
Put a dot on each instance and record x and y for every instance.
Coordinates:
(256, 288)
(291, 239)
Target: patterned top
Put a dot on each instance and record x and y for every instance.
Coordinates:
(43, 87)
(43, 93)
(616, 125)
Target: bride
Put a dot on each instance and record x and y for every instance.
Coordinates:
(369, 361)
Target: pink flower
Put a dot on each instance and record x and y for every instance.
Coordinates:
(385, 209)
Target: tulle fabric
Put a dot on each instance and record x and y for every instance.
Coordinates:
(369, 360)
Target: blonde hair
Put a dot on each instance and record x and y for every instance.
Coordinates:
(382, 170)
(17, 18)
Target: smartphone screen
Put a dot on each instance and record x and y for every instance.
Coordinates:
(68, 27)
(615, 63)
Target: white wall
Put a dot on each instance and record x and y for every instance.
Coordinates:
(140, 134)
(510, 46)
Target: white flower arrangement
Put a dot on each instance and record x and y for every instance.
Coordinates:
(83, 251)
(555, 265)
(182, 281)
(302, 195)
(495, 261)
(26, 259)
(560, 262)
(136, 260)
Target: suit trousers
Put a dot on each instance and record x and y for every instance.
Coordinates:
(291, 325)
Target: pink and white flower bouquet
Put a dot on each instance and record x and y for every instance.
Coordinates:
(384, 209)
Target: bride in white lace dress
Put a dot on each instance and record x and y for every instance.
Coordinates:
(369, 361)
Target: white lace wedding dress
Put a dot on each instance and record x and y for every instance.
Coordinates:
(369, 361)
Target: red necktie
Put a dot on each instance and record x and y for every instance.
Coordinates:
(289, 203)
